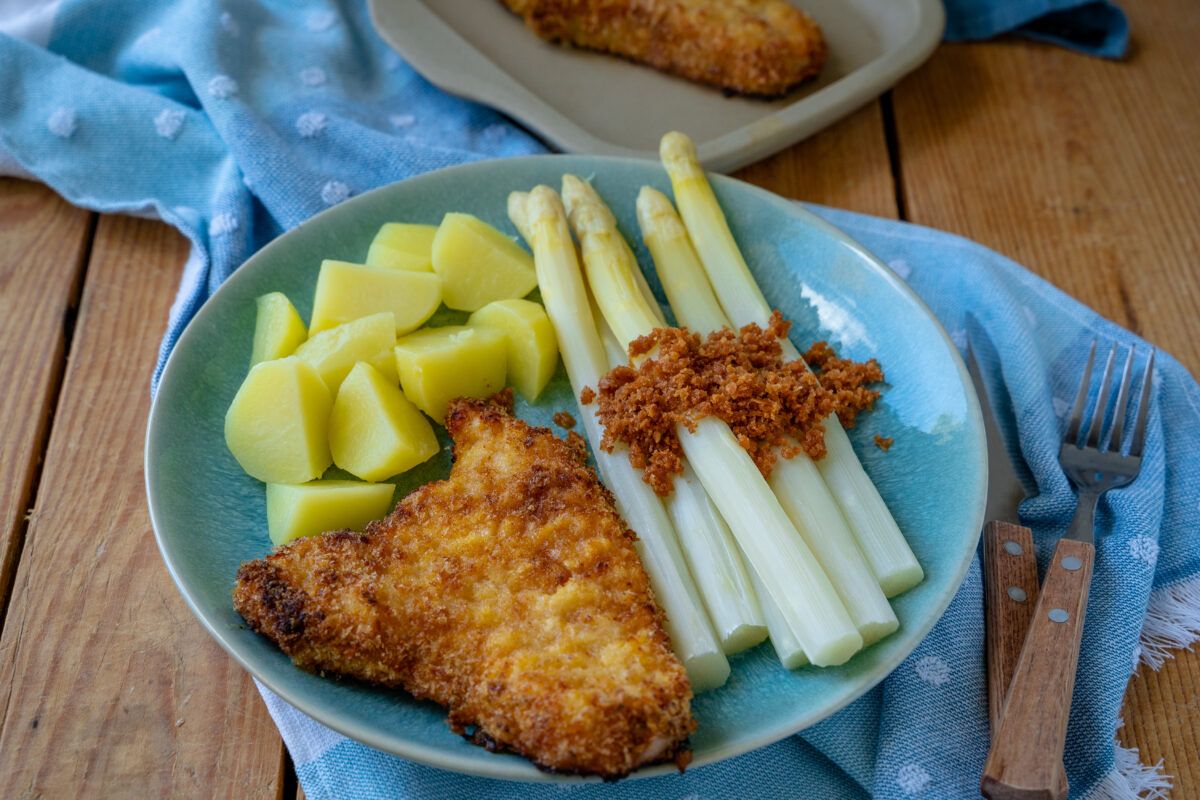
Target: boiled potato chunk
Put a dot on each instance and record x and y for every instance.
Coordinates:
(400, 245)
(439, 364)
(374, 431)
(346, 292)
(309, 509)
(277, 426)
(333, 353)
(531, 345)
(278, 329)
(479, 264)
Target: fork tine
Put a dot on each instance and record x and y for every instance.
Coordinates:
(1098, 415)
(1139, 425)
(1118, 427)
(1072, 436)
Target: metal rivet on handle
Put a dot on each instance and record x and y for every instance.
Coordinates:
(1058, 615)
(1017, 593)
(1072, 563)
(1013, 548)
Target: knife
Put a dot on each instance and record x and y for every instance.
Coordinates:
(1010, 581)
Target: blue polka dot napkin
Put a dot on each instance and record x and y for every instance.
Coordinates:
(236, 121)
(232, 125)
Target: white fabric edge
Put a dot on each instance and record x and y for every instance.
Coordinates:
(1130, 779)
(306, 739)
(193, 270)
(1172, 622)
(31, 20)
(11, 168)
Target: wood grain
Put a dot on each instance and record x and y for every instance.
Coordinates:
(43, 243)
(1025, 761)
(1083, 170)
(108, 685)
(1087, 172)
(1006, 618)
(1161, 713)
(845, 166)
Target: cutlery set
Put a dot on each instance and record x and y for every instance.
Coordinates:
(1033, 633)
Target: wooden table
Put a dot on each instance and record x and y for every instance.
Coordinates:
(1085, 171)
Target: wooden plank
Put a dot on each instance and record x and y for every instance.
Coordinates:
(1085, 171)
(1162, 710)
(1088, 173)
(108, 684)
(1162, 720)
(43, 242)
(845, 166)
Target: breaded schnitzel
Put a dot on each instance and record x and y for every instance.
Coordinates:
(755, 47)
(510, 593)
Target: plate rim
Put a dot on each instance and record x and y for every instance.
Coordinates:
(520, 769)
(805, 116)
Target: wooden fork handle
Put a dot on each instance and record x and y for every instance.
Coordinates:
(1025, 760)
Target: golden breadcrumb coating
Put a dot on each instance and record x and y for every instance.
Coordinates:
(510, 593)
(754, 47)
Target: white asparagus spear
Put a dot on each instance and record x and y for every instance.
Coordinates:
(711, 552)
(878, 536)
(789, 572)
(796, 481)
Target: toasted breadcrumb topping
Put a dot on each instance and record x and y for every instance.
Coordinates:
(883, 442)
(563, 419)
(846, 379)
(773, 408)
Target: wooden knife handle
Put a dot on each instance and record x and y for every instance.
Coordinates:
(1010, 591)
(1026, 756)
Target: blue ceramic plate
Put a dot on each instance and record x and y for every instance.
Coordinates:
(209, 516)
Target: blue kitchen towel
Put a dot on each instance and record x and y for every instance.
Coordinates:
(1094, 27)
(236, 121)
(232, 125)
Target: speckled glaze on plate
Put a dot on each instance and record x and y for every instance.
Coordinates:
(209, 516)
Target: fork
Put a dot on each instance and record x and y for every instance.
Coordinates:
(1025, 760)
